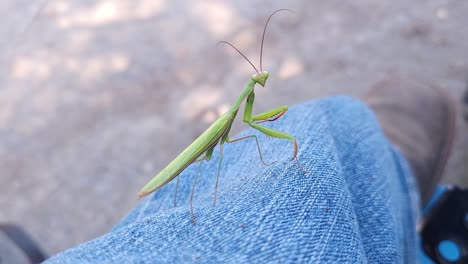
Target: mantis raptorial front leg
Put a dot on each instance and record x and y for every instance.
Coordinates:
(268, 116)
(271, 115)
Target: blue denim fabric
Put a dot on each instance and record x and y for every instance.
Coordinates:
(358, 203)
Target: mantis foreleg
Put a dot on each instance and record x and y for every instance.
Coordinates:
(279, 134)
(249, 119)
(275, 133)
(268, 116)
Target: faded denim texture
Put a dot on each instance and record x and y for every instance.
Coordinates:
(357, 204)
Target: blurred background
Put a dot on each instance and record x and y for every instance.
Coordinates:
(97, 96)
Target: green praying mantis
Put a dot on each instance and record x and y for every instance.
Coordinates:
(202, 148)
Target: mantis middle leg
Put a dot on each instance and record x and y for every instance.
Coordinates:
(227, 140)
(256, 141)
(204, 157)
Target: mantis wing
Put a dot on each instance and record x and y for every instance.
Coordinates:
(207, 139)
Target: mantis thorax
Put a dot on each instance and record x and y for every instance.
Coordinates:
(260, 77)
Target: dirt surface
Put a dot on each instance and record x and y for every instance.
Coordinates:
(97, 96)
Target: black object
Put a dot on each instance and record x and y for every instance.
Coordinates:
(465, 104)
(447, 221)
(24, 242)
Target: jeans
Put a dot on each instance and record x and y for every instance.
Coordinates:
(357, 202)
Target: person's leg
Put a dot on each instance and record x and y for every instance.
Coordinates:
(358, 204)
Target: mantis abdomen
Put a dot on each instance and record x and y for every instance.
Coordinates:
(206, 141)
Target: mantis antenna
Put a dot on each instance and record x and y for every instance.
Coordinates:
(225, 42)
(264, 30)
(261, 46)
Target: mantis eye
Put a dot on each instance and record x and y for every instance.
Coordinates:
(261, 77)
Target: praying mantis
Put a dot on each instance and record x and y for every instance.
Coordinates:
(202, 148)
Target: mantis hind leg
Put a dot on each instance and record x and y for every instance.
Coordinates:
(217, 173)
(205, 157)
(191, 194)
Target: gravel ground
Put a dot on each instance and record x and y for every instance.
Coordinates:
(97, 96)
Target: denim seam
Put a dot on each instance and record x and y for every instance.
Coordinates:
(405, 182)
(340, 166)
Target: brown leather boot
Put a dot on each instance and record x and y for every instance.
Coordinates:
(420, 120)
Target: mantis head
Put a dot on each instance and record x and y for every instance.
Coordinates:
(260, 77)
